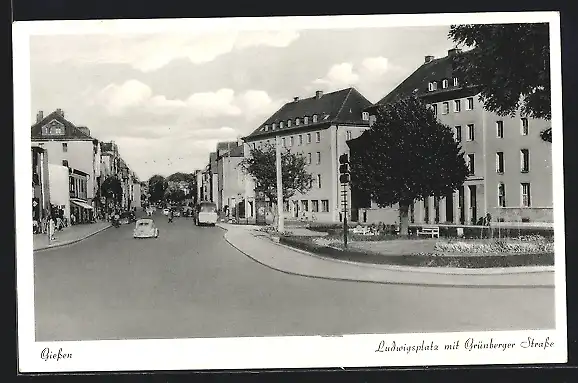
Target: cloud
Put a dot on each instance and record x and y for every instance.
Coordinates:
(148, 53)
(339, 75)
(117, 98)
(376, 65)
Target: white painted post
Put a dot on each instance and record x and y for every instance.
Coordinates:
(280, 226)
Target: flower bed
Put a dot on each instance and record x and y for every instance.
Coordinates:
(334, 249)
(524, 246)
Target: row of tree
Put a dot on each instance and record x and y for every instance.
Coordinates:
(408, 154)
(160, 189)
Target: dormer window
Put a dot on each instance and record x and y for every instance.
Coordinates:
(432, 86)
(365, 116)
(288, 123)
(53, 128)
(280, 124)
(455, 81)
(314, 118)
(297, 121)
(305, 120)
(445, 84)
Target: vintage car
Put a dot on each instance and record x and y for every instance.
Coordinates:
(145, 228)
(206, 214)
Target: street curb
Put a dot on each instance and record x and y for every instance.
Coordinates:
(73, 241)
(385, 282)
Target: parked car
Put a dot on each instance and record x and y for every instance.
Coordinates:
(145, 228)
(176, 212)
(166, 211)
(206, 214)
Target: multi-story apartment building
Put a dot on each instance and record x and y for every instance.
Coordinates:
(510, 165)
(78, 192)
(318, 127)
(231, 182)
(70, 146)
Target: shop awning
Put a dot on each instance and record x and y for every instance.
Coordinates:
(80, 203)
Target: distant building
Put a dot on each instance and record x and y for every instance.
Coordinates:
(231, 182)
(318, 127)
(510, 165)
(59, 183)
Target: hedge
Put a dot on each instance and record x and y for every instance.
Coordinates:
(421, 260)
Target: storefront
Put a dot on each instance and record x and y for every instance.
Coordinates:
(82, 211)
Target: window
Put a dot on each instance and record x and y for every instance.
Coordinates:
(305, 120)
(65, 163)
(501, 195)
(500, 162)
(471, 132)
(324, 205)
(319, 180)
(470, 103)
(267, 127)
(64, 147)
(432, 86)
(525, 160)
(365, 116)
(457, 106)
(291, 141)
(254, 145)
(317, 136)
(288, 123)
(314, 118)
(458, 133)
(308, 138)
(525, 194)
(445, 107)
(305, 205)
(309, 158)
(315, 206)
(284, 141)
(471, 164)
(280, 124)
(297, 121)
(435, 109)
(318, 158)
(524, 127)
(300, 139)
(455, 81)
(500, 129)
(348, 135)
(445, 84)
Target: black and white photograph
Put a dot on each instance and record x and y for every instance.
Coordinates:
(289, 192)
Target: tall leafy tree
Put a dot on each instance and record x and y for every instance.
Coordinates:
(510, 64)
(261, 165)
(407, 155)
(111, 189)
(157, 187)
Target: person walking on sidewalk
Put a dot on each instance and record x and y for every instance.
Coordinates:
(51, 228)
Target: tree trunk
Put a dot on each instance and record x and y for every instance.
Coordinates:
(403, 218)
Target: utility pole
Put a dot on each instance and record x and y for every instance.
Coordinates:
(280, 226)
(344, 178)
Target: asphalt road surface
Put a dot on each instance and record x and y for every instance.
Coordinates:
(190, 283)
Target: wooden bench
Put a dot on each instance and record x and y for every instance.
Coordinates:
(433, 231)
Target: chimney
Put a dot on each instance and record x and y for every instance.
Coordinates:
(60, 111)
(453, 52)
(295, 99)
(428, 59)
(39, 116)
(318, 94)
(84, 130)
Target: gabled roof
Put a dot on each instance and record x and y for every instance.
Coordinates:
(342, 106)
(417, 83)
(71, 132)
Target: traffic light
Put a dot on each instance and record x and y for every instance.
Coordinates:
(344, 168)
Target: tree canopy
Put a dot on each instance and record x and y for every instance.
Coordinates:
(406, 155)
(157, 187)
(510, 64)
(111, 188)
(261, 165)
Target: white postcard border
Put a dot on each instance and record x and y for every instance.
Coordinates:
(268, 352)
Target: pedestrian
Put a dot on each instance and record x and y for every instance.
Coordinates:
(171, 216)
(51, 228)
(72, 219)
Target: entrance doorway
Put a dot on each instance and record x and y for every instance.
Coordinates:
(450, 207)
(473, 203)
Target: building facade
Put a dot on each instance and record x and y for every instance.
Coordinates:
(510, 165)
(230, 178)
(318, 127)
(69, 146)
(40, 184)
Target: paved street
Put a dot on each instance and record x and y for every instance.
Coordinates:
(191, 283)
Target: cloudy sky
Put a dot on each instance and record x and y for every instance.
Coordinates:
(167, 99)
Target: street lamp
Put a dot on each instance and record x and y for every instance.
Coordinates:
(281, 223)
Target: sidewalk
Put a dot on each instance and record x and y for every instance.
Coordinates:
(262, 249)
(69, 235)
